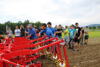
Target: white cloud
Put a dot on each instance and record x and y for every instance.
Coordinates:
(63, 12)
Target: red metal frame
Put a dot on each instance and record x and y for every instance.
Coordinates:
(66, 56)
(30, 45)
(21, 49)
(28, 51)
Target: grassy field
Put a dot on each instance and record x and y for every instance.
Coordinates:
(94, 34)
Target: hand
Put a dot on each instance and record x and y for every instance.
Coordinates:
(27, 32)
(78, 37)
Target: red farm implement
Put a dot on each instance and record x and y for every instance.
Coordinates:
(20, 52)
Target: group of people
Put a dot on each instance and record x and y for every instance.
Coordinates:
(73, 35)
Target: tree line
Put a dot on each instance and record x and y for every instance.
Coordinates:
(12, 25)
(93, 27)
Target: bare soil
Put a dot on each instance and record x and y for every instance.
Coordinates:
(88, 56)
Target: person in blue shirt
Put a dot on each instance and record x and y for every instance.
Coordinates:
(50, 26)
(72, 32)
(32, 32)
(46, 31)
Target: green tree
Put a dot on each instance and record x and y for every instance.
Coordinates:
(94, 28)
(26, 22)
(38, 24)
(90, 27)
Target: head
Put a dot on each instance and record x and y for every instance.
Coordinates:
(72, 27)
(17, 27)
(44, 26)
(49, 24)
(27, 27)
(21, 26)
(35, 26)
(30, 26)
(66, 27)
(76, 24)
(60, 26)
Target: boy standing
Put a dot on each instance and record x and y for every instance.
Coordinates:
(72, 32)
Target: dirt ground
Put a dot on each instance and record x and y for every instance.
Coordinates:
(88, 56)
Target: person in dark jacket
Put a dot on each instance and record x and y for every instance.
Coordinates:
(22, 29)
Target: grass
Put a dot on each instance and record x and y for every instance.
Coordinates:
(94, 34)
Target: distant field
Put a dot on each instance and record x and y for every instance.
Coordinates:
(94, 34)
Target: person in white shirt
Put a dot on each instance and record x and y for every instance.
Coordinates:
(9, 32)
(17, 32)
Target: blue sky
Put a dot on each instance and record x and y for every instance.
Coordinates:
(63, 12)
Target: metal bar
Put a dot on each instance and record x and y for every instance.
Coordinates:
(28, 51)
(66, 57)
(31, 45)
(7, 61)
(59, 52)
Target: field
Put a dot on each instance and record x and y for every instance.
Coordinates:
(88, 56)
(94, 34)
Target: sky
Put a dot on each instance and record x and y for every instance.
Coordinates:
(64, 12)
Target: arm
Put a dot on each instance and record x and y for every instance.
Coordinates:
(80, 35)
(32, 32)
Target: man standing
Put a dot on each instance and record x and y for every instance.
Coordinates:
(65, 35)
(46, 31)
(59, 32)
(77, 36)
(32, 32)
(50, 27)
(72, 32)
(17, 32)
(22, 29)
